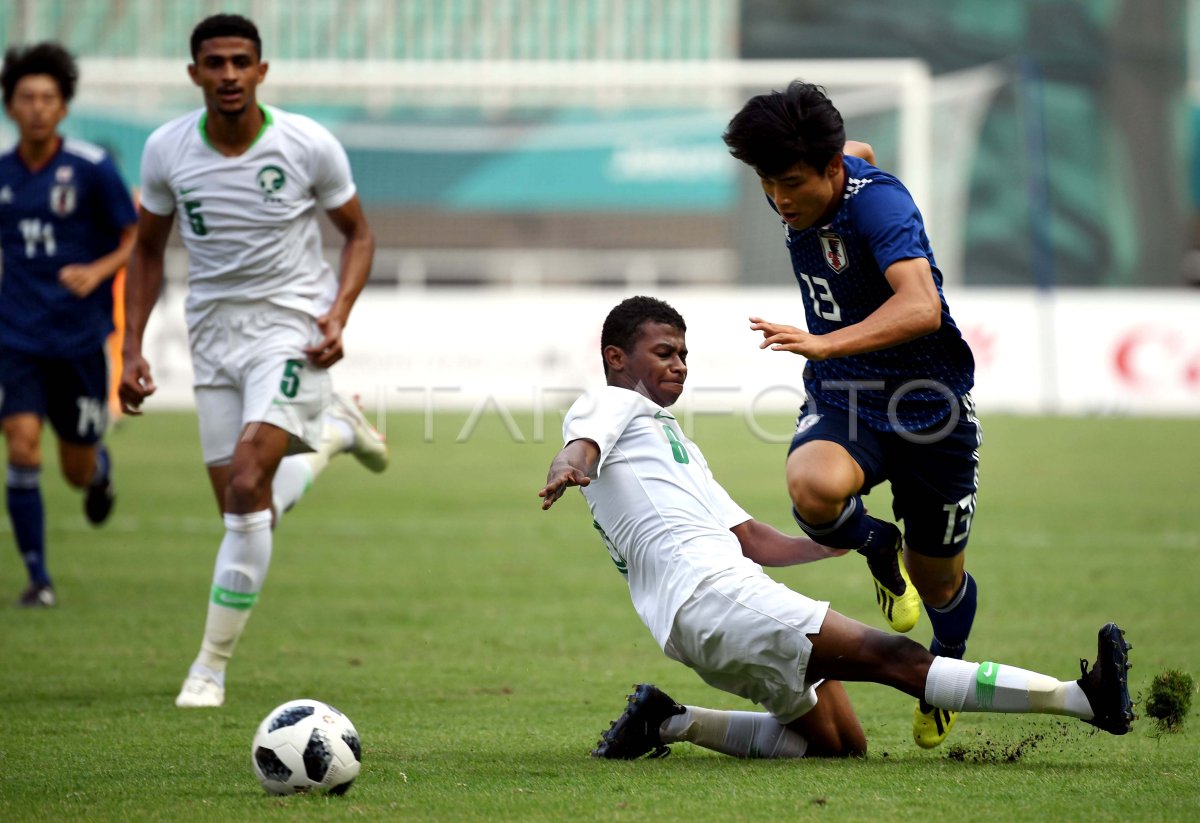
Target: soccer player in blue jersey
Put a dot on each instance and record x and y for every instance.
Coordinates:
(888, 375)
(67, 224)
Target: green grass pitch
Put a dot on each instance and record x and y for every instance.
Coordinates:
(480, 644)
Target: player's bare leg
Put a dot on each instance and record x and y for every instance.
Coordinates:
(831, 727)
(823, 483)
(89, 467)
(848, 650)
(242, 561)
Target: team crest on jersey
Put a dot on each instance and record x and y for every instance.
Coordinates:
(833, 249)
(6, 195)
(64, 174)
(62, 199)
(271, 180)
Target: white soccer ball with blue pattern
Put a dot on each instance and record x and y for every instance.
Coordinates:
(306, 746)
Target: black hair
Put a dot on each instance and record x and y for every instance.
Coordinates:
(42, 58)
(623, 326)
(225, 25)
(775, 131)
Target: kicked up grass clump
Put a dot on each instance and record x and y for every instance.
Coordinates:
(1170, 699)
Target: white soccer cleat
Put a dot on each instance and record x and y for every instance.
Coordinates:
(369, 449)
(200, 692)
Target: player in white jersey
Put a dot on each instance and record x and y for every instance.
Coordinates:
(692, 559)
(265, 313)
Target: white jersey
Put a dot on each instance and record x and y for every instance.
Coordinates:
(664, 518)
(249, 223)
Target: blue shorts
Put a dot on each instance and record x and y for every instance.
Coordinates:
(934, 473)
(71, 392)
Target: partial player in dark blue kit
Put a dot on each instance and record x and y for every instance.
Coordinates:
(888, 376)
(67, 224)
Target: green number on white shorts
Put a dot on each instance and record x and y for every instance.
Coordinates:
(290, 384)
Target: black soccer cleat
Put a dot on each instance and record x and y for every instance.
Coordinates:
(636, 731)
(98, 499)
(1106, 686)
(38, 596)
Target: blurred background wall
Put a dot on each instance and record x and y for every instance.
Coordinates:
(1062, 135)
(520, 147)
(1096, 100)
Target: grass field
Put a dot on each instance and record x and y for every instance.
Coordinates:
(480, 644)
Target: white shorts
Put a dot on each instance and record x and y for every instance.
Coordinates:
(250, 367)
(749, 637)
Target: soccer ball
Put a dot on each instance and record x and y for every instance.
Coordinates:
(306, 745)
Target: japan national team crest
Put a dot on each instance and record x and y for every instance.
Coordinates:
(62, 199)
(834, 251)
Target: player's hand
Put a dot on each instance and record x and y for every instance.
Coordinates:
(780, 337)
(136, 384)
(79, 279)
(327, 352)
(557, 482)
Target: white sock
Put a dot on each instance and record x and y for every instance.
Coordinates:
(740, 734)
(340, 431)
(292, 479)
(336, 437)
(238, 577)
(990, 687)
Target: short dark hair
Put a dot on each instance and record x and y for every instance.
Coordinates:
(623, 326)
(42, 58)
(775, 131)
(225, 25)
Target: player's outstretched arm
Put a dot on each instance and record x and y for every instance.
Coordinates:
(143, 282)
(768, 546)
(358, 252)
(572, 466)
(782, 337)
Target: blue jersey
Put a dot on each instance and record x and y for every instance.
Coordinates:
(71, 210)
(840, 269)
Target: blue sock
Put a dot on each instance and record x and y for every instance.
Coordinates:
(28, 518)
(853, 529)
(952, 622)
(103, 466)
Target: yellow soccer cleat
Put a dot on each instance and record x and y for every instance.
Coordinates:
(894, 592)
(931, 725)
